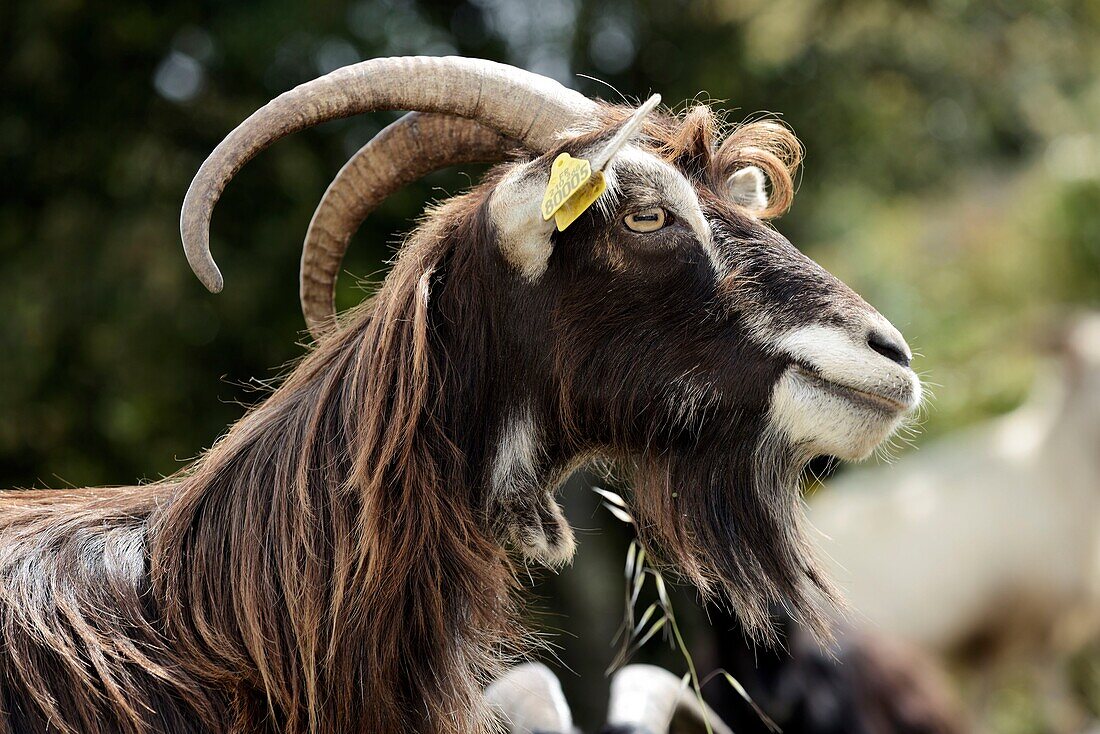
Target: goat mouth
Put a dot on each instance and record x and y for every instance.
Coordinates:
(877, 402)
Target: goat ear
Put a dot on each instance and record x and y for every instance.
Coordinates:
(522, 233)
(746, 187)
(648, 698)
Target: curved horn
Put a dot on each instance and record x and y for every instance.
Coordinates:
(405, 151)
(645, 698)
(528, 699)
(531, 108)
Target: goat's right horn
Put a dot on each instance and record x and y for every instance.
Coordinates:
(403, 152)
(530, 108)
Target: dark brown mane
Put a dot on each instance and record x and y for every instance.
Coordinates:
(309, 554)
(354, 449)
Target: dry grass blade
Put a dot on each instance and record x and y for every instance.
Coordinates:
(635, 571)
(649, 612)
(611, 497)
(619, 513)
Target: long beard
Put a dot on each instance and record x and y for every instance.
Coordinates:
(730, 517)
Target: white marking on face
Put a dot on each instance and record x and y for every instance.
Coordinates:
(842, 356)
(524, 237)
(826, 423)
(851, 400)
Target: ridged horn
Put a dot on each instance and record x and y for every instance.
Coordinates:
(530, 108)
(402, 153)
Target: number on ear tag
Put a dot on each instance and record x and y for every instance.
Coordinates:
(576, 204)
(571, 190)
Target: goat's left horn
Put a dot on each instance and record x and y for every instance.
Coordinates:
(403, 152)
(531, 108)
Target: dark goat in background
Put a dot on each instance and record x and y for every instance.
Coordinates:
(338, 560)
(866, 684)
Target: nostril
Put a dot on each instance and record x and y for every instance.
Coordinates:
(889, 348)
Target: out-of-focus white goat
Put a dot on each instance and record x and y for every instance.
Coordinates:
(991, 534)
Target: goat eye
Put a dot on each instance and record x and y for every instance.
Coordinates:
(646, 220)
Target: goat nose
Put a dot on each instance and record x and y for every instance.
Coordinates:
(890, 346)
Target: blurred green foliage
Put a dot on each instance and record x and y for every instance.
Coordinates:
(952, 177)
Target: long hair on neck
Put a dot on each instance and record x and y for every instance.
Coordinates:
(322, 568)
(343, 517)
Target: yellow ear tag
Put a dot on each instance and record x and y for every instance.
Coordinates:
(571, 190)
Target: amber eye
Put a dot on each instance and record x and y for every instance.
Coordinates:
(646, 220)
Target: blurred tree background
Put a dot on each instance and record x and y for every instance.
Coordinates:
(952, 178)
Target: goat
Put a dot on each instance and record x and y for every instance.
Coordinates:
(646, 699)
(870, 687)
(343, 558)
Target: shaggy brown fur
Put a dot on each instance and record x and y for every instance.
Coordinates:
(321, 564)
(333, 564)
